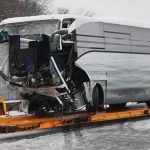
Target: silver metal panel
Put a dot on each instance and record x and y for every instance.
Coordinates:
(140, 43)
(4, 59)
(90, 45)
(117, 41)
(6, 91)
(140, 34)
(116, 28)
(127, 74)
(95, 29)
(121, 45)
(81, 51)
(117, 36)
(4, 51)
(85, 50)
(140, 46)
(140, 49)
(90, 39)
(117, 48)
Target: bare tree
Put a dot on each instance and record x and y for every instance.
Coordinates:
(15, 8)
(63, 11)
(83, 12)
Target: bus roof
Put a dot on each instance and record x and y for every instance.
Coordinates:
(79, 20)
(111, 20)
(40, 17)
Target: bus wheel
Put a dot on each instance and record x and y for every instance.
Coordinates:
(91, 108)
(117, 106)
(97, 97)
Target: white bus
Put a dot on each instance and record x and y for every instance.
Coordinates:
(64, 62)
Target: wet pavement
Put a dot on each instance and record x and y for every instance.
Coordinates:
(133, 135)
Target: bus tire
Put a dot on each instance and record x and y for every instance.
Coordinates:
(97, 97)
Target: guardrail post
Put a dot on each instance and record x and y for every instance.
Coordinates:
(2, 106)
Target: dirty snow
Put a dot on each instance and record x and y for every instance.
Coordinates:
(128, 135)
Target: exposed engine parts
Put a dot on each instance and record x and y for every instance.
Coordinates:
(41, 65)
(45, 78)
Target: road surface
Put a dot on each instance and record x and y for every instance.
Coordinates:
(128, 135)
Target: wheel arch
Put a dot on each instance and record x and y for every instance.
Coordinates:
(80, 75)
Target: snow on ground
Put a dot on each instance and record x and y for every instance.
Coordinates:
(129, 135)
(133, 135)
(141, 125)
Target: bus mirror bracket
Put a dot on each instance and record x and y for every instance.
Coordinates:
(60, 32)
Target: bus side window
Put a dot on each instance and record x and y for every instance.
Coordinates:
(67, 22)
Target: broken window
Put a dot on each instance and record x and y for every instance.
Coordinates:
(33, 27)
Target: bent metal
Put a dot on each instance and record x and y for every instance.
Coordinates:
(67, 63)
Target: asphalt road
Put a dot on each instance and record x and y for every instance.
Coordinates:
(129, 135)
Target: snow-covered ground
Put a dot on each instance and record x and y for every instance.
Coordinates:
(129, 135)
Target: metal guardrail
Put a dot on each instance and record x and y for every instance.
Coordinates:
(19, 123)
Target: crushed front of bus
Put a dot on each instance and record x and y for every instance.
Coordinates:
(41, 67)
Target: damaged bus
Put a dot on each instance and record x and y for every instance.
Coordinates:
(68, 63)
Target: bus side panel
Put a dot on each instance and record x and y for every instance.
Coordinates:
(140, 40)
(112, 37)
(9, 92)
(90, 36)
(117, 38)
(4, 62)
(127, 74)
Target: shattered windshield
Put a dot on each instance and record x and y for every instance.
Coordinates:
(33, 27)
